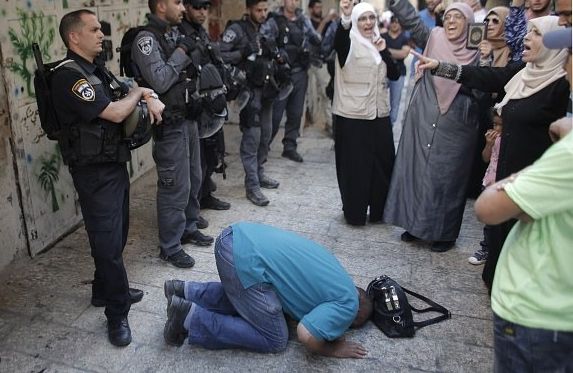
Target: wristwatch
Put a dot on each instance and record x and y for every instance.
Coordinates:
(150, 95)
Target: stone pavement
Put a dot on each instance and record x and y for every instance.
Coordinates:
(48, 325)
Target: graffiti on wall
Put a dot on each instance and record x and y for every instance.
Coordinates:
(49, 174)
(34, 27)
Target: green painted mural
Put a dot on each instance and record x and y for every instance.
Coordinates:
(34, 27)
(49, 175)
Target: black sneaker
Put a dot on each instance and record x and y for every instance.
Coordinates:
(173, 287)
(196, 238)
(202, 223)
(180, 259)
(214, 203)
(174, 331)
(268, 183)
(292, 155)
(257, 197)
(479, 257)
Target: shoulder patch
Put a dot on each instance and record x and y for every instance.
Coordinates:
(84, 90)
(229, 36)
(145, 44)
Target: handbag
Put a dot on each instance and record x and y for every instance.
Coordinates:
(393, 313)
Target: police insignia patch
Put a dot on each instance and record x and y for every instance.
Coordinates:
(229, 36)
(84, 90)
(145, 45)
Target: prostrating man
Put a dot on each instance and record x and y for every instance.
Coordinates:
(196, 12)
(161, 55)
(264, 272)
(242, 46)
(96, 153)
(292, 32)
(531, 295)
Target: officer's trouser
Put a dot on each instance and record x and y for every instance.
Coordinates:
(255, 142)
(103, 191)
(208, 159)
(294, 105)
(178, 162)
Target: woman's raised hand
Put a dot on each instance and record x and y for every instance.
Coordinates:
(346, 7)
(379, 43)
(485, 49)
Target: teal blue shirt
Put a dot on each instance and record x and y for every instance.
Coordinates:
(310, 282)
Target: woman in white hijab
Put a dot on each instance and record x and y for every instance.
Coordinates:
(364, 146)
(536, 94)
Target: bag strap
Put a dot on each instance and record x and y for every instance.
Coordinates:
(435, 307)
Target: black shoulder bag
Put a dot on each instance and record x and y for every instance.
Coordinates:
(392, 312)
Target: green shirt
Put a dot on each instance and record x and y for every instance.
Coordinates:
(533, 284)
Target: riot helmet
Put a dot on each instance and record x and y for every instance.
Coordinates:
(137, 126)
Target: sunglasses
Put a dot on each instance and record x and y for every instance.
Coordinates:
(204, 7)
(495, 21)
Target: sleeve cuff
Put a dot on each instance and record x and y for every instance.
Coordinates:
(345, 21)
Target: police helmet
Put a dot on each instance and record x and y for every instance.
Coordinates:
(197, 3)
(137, 126)
(209, 123)
(284, 90)
(240, 100)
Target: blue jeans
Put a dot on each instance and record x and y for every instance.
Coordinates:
(522, 349)
(228, 316)
(396, 87)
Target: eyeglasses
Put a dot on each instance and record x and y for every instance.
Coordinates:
(495, 21)
(204, 7)
(371, 18)
(454, 17)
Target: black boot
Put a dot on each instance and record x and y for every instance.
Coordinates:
(174, 331)
(118, 332)
(173, 287)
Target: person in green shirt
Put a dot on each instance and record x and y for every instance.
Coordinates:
(532, 294)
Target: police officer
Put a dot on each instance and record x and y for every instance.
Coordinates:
(212, 147)
(292, 32)
(241, 46)
(160, 53)
(95, 151)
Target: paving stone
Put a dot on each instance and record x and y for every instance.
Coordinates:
(47, 323)
(11, 361)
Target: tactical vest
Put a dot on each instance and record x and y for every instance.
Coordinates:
(291, 39)
(262, 68)
(175, 98)
(98, 141)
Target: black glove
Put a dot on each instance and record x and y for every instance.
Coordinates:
(187, 44)
(251, 47)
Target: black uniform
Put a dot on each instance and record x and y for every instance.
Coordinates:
(213, 147)
(96, 155)
(256, 117)
(294, 38)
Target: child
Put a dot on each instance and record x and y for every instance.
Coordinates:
(489, 154)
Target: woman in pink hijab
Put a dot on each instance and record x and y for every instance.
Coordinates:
(433, 164)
